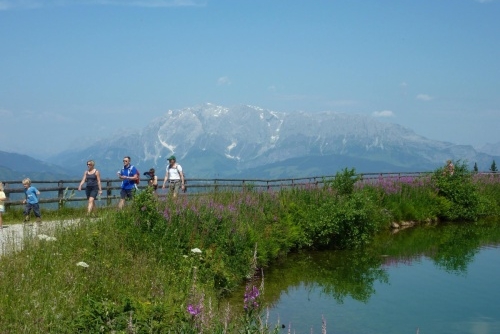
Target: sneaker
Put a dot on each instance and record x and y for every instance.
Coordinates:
(26, 218)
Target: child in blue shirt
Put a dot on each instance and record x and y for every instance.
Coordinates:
(31, 201)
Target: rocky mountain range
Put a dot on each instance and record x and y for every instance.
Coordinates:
(212, 141)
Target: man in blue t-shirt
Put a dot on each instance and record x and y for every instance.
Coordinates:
(128, 175)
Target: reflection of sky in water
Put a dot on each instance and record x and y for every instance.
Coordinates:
(420, 295)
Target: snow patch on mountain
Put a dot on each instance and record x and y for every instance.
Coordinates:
(234, 139)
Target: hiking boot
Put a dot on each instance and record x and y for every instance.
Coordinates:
(26, 219)
(39, 221)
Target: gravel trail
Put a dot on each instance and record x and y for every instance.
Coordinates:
(12, 236)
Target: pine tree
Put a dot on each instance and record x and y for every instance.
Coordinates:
(475, 167)
(493, 167)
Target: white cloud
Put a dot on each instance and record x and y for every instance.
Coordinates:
(222, 81)
(424, 97)
(383, 113)
(31, 4)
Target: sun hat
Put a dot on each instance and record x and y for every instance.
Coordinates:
(172, 157)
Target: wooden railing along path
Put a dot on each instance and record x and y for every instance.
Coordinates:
(64, 191)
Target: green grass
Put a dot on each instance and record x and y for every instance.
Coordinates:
(139, 271)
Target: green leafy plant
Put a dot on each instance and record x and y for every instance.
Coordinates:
(344, 182)
(459, 192)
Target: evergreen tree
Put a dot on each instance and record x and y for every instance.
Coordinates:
(493, 167)
(475, 167)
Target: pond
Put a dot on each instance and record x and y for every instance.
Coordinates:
(428, 279)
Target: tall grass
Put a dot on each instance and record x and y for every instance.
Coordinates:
(163, 266)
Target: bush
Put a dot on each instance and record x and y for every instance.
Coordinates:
(459, 194)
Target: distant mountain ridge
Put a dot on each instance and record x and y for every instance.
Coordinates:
(248, 141)
(14, 167)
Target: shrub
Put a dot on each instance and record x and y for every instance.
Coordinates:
(460, 198)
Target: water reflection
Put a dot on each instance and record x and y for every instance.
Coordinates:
(450, 246)
(441, 278)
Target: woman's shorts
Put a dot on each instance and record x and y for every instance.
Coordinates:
(91, 192)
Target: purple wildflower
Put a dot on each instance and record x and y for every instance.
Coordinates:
(193, 310)
(250, 300)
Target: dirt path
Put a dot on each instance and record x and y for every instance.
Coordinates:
(12, 236)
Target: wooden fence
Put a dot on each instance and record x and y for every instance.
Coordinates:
(65, 191)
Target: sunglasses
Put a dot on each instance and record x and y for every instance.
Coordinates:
(125, 160)
(89, 164)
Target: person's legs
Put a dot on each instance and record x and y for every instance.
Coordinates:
(124, 194)
(36, 211)
(91, 195)
(91, 205)
(27, 210)
(171, 187)
(1, 219)
(121, 203)
(174, 188)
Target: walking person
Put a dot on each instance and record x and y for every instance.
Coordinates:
(174, 176)
(2, 205)
(153, 179)
(31, 201)
(93, 187)
(129, 175)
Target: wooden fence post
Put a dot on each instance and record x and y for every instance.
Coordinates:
(108, 193)
(7, 193)
(60, 194)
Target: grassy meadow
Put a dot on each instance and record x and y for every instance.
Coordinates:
(164, 266)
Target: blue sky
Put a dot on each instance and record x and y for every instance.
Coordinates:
(77, 70)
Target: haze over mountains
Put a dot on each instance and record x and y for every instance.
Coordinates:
(212, 141)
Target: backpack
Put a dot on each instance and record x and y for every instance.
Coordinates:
(138, 177)
(136, 181)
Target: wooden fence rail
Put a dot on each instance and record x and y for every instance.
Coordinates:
(64, 191)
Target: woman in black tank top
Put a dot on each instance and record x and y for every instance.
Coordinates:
(93, 187)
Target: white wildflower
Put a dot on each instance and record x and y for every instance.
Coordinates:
(82, 264)
(46, 237)
(196, 250)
